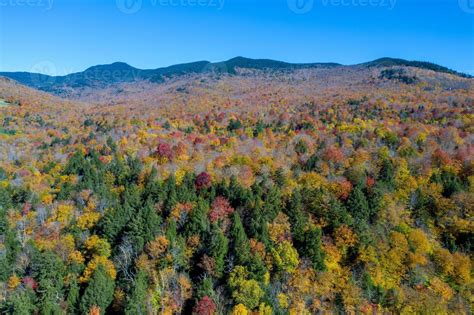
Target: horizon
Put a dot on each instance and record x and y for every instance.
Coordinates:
(218, 61)
(69, 37)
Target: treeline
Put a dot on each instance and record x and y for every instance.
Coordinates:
(118, 239)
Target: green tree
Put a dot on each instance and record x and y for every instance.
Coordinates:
(99, 291)
(312, 248)
(240, 241)
(73, 296)
(143, 227)
(136, 303)
(197, 222)
(358, 205)
(218, 248)
(20, 303)
(297, 217)
(48, 270)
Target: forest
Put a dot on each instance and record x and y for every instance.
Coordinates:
(321, 191)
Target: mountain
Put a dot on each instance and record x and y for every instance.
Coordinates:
(101, 76)
(394, 62)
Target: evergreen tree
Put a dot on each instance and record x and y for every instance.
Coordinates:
(258, 225)
(152, 190)
(218, 248)
(358, 205)
(115, 220)
(48, 270)
(240, 241)
(205, 288)
(187, 190)
(99, 292)
(197, 222)
(297, 217)
(312, 248)
(279, 177)
(171, 199)
(73, 296)
(337, 214)
(136, 304)
(20, 303)
(171, 231)
(387, 172)
(143, 227)
(272, 203)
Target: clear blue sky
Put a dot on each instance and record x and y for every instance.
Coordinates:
(63, 36)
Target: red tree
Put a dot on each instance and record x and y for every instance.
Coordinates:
(164, 151)
(205, 306)
(220, 208)
(203, 181)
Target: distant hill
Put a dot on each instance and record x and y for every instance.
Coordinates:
(392, 62)
(119, 72)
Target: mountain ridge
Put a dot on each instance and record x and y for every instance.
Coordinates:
(117, 72)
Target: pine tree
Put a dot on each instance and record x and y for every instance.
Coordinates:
(218, 248)
(72, 296)
(258, 225)
(99, 292)
(197, 222)
(358, 205)
(240, 241)
(297, 217)
(20, 303)
(337, 214)
(171, 199)
(272, 203)
(279, 177)
(143, 227)
(387, 172)
(136, 302)
(114, 221)
(187, 191)
(312, 248)
(48, 269)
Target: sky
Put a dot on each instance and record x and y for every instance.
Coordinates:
(58, 37)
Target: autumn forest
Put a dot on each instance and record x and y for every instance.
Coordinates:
(267, 189)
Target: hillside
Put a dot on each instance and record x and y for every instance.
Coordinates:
(103, 76)
(244, 187)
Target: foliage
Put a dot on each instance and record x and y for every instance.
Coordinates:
(307, 191)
